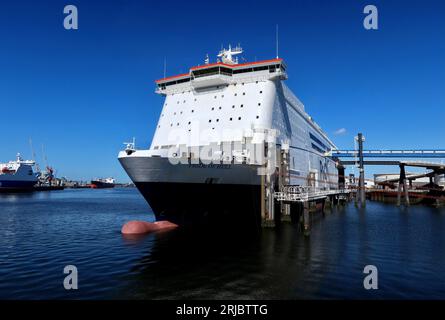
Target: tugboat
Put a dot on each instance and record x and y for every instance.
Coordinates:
(17, 176)
(103, 183)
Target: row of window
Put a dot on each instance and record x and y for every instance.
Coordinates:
(210, 121)
(315, 139)
(221, 70)
(213, 108)
(222, 96)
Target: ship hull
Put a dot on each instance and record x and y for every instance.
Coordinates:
(194, 204)
(101, 185)
(16, 186)
(197, 195)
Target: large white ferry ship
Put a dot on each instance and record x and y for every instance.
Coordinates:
(224, 107)
(17, 175)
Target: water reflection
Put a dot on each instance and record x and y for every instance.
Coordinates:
(283, 264)
(39, 236)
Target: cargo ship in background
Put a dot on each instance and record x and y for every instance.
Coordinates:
(103, 183)
(237, 103)
(18, 175)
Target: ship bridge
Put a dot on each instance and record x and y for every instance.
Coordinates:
(223, 72)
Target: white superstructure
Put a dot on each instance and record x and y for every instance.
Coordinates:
(17, 174)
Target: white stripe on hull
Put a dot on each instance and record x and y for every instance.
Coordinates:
(158, 169)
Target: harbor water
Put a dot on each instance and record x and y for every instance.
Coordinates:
(41, 233)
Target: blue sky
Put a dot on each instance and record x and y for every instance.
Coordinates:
(82, 93)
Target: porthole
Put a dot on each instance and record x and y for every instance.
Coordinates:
(244, 93)
(213, 108)
(233, 107)
(190, 122)
(259, 103)
(257, 117)
(230, 119)
(261, 91)
(236, 94)
(177, 124)
(242, 106)
(210, 120)
(217, 120)
(193, 111)
(219, 108)
(239, 118)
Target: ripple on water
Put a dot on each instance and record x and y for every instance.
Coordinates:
(40, 234)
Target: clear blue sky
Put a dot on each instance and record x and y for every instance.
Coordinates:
(82, 93)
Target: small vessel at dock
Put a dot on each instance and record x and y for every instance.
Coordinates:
(103, 183)
(17, 176)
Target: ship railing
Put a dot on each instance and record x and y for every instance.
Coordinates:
(306, 193)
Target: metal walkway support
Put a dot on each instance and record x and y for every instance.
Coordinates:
(299, 199)
(361, 183)
(402, 184)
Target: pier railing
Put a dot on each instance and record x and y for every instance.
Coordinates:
(307, 193)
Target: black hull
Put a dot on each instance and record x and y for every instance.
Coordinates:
(195, 204)
(101, 185)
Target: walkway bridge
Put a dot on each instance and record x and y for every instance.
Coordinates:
(343, 158)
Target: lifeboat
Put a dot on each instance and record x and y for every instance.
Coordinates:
(6, 170)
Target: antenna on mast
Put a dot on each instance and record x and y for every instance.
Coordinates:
(44, 156)
(276, 36)
(33, 155)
